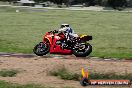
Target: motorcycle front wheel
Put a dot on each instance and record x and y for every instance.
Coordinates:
(41, 49)
(82, 50)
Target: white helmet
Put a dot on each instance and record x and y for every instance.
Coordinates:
(64, 25)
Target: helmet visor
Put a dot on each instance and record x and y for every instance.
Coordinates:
(64, 25)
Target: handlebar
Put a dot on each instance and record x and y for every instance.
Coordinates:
(53, 32)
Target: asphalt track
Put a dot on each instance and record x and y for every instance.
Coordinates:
(21, 55)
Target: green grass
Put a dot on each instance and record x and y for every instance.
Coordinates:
(10, 85)
(111, 75)
(4, 84)
(65, 74)
(111, 31)
(8, 73)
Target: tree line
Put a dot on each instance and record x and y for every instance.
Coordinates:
(113, 3)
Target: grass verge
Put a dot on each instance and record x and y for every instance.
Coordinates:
(10, 85)
(8, 73)
(63, 73)
(111, 75)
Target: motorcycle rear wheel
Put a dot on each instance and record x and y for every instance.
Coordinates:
(83, 53)
(41, 49)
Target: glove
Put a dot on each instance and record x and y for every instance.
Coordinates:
(55, 31)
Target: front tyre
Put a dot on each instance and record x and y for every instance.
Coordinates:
(82, 50)
(41, 49)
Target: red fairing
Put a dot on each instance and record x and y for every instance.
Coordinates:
(58, 50)
(54, 48)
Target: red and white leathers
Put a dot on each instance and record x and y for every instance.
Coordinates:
(68, 32)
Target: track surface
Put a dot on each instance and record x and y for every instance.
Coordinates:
(21, 55)
(34, 69)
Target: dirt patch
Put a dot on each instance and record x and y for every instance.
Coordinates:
(35, 69)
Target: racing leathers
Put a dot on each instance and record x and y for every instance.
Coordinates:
(69, 33)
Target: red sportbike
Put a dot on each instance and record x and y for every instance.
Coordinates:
(56, 43)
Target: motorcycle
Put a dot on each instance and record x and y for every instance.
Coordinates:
(55, 42)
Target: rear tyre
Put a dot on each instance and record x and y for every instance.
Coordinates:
(83, 52)
(41, 49)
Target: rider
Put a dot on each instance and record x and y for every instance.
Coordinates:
(69, 32)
